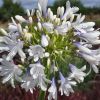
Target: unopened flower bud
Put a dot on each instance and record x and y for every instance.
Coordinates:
(58, 11)
(3, 31)
(19, 28)
(28, 13)
(32, 12)
(62, 11)
(39, 26)
(46, 54)
(35, 28)
(20, 18)
(44, 41)
(30, 20)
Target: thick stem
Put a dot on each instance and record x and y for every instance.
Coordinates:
(42, 95)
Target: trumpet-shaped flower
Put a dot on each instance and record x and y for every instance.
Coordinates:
(66, 85)
(37, 52)
(41, 82)
(83, 48)
(48, 26)
(69, 11)
(13, 46)
(64, 28)
(10, 71)
(28, 83)
(92, 60)
(43, 5)
(36, 70)
(77, 74)
(52, 91)
(79, 19)
(17, 49)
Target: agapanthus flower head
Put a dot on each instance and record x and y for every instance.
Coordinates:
(43, 44)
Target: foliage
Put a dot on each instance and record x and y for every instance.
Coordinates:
(9, 9)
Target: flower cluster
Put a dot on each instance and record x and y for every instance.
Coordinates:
(34, 50)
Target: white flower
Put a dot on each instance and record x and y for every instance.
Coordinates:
(44, 41)
(66, 85)
(10, 72)
(43, 5)
(91, 37)
(69, 11)
(28, 83)
(64, 28)
(92, 60)
(79, 19)
(37, 52)
(82, 48)
(48, 26)
(16, 49)
(52, 91)
(36, 70)
(12, 46)
(46, 54)
(41, 82)
(77, 74)
(3, 47)
(87, 26)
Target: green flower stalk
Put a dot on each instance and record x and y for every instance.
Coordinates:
(40, 50)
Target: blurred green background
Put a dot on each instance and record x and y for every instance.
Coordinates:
(10, 8)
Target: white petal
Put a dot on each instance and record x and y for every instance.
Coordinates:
(75, 9)
(7, 78)
(12, 27)
(95, 69)
(44, 41)
(12, 82)
(83, 68)
(39, 26)
(11, 54)
(67, 4)
(47, 54)
(36, 59)
(22, 55)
